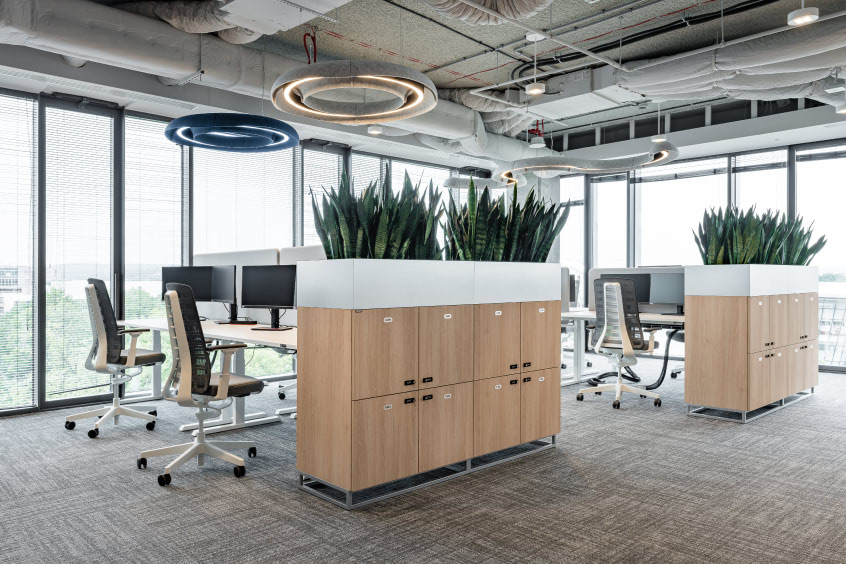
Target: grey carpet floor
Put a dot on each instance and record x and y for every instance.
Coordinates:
(641, 484)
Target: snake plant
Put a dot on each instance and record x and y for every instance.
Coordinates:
(378, 223)
(491, 230)
(744, 237)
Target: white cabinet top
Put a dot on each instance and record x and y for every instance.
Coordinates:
(749, 280)
(374, 284)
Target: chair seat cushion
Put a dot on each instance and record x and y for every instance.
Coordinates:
(142, 357)
(238, 385)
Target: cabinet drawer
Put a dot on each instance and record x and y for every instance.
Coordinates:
(384, 352)
(540, 335)
(446, 425)
(496, 410)
(445, 345)
(384, 439)
(496, 340)
(540, 404)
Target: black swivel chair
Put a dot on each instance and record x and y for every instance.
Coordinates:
(192, 383)
(108, 356)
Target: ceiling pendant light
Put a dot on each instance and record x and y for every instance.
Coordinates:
(803, 16)
(535, 88)
(841, 108)
(480, 183)
(537, 143)
(659, 137)
(354, 92)
(374, 129)
(238, 133)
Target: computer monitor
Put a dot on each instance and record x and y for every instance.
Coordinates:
(269, 286)
(667, 289)
(198, 277)
(641, 282)
(223, 284)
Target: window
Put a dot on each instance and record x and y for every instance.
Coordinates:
(321, 170)
(79, 183)
(152, 224)
(17, 230)
(572, 237)
(610, 201)
(243, 201)
(671, 200)
(760, 179)
(367, 169)
(419, 175)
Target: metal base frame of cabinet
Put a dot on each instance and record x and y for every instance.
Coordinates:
(745, 417)
(310, 483)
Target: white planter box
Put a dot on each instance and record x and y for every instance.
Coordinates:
(749, 280)
(374, 284)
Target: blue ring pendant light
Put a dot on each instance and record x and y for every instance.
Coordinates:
(239, 133)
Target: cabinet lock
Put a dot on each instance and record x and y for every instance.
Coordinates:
(527, 364)
(427, 380)
(427, 397)
(447, 396)
(409, 400)
(541, 379)
(409, 382)
(527, 379)
(542, 310)
(388, 319)
(497, 312)
(447, 316)
(514, 366)
(512, 382)
(498, 387)
(388, 406)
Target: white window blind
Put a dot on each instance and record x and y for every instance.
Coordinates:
(18, 138)
(79, 181)
(760, 179)
(242, 201)
(366, 169)
(321, 170)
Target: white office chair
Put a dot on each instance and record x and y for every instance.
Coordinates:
(192, 383)
(108, 357)
(618, 334)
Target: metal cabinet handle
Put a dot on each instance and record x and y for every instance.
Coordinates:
(389, 406)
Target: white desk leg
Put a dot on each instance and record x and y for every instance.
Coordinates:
(578, 354)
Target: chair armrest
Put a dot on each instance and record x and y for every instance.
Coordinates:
(651, 331)
(132, 331)
(223, 381)
(227, 347)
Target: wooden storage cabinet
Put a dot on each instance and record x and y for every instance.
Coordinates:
(496, 407)
(540, 404)
(445, 345)
(384, 351)
(445, 425)
(496, 340)
(540, 335)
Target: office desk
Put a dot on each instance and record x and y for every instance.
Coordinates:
(234, 416)
(582, 317)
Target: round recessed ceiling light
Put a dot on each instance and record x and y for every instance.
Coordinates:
(803, 16)
(238, 133)
(354, 92)
(479, 183)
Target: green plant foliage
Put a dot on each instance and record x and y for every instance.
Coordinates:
(378, 223)
(490, 230)
(744, 237)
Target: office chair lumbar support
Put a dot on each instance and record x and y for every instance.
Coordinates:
(108, 357)
(619, 326)
(191, 383)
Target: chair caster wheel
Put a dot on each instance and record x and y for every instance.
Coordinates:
(589, 365)
(251, 452)
(93, 433)
(69, 425)
(657, 402)
(151, 425)
(616, 404)
(141, 463)
(598, 393)
(643, 396)
(580, 397)
(154, 413)
(281, 395)
(240, 471)
(164, 480)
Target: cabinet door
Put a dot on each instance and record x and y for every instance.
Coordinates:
(446, 425)
(779, 324)
(795, 318)
(446, 345)
(496, 341)
(812, 316)
(812, 365)
(759, 323)
(759, 380)
(796, 367)
(384, 440)
(384, 351)
(540, 404)
(540, 336)
(778, 374)
(496, 410)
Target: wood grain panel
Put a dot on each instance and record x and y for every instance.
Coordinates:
(384, 351)
(384, 432)
(716, 344)
(796, 368)
(779, 321)
(496, 340)
(540, 404)
(811, 373)
(445, 345)
(759, 380)
(759, 323)
(324, 394)
(795, 318)
(446, 425)
(779, 382)
(811, 311)
(540, 337)
(496, 409)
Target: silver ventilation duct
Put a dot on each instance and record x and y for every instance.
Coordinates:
(516, 9)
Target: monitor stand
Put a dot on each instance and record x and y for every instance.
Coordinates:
(274, 322)
(233, 318)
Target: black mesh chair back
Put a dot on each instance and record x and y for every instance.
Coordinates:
(194, 350)
(114, 342)
(632, 317)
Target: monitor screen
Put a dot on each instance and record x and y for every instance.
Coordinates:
(270, 286)
(667, 289)
(198, 277)
(641, 282)
(223, 284)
